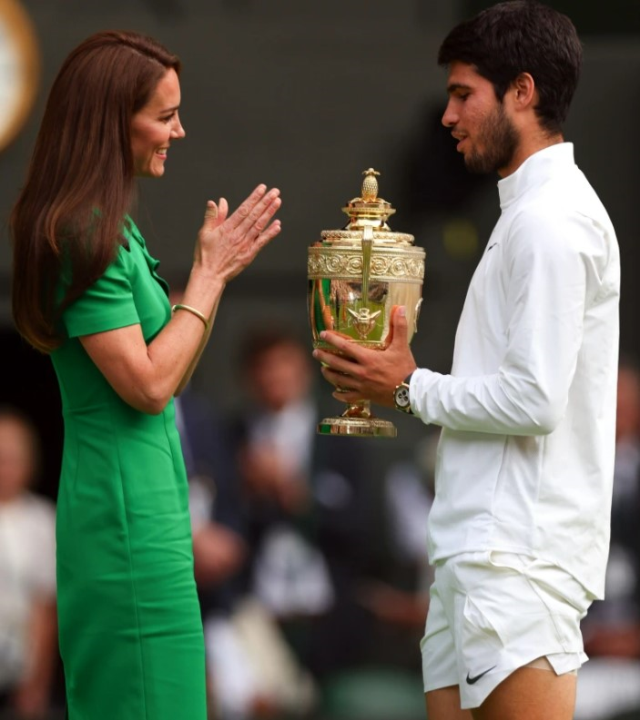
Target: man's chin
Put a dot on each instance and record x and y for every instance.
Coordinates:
(476, 166)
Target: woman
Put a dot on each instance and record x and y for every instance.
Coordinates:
(86, 291)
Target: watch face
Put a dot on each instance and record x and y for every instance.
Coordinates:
(402, 397)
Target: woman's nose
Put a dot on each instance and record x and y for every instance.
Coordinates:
(178, 131)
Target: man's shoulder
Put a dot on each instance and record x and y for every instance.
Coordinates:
(563, 207)
(566, 194)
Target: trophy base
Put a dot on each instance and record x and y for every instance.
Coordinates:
(357, 427)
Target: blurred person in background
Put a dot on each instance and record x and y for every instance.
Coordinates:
(403, 600)
(28, 631)
(520, 524)
(307, 502)
(86, 291)
(214, 497)
(613, 625)
(238, 635)
(610, 682)
(219, 547)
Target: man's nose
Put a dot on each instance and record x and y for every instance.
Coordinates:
(449, 117)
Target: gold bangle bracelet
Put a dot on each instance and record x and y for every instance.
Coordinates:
(193, 311)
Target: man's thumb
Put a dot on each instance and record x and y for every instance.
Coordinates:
(399, 333)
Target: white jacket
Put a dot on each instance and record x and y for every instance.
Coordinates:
(525, 460)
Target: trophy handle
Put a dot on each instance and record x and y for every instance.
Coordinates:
(367, 240)
(362, 409)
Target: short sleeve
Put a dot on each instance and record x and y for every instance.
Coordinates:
(107, 304)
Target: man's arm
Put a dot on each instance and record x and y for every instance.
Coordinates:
(552, 265)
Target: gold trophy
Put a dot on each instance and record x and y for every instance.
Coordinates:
(356, 276)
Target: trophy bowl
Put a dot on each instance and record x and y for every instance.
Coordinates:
(356, 276)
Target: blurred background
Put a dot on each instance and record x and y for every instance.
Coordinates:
(305, 96)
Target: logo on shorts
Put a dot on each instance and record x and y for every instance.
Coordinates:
(473, 680)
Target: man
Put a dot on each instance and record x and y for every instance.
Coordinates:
(519, 528)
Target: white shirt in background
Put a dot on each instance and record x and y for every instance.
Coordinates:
(27, 574)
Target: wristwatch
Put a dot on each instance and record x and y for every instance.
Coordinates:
(401, 397)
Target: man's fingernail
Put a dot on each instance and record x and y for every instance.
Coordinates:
(323, 335)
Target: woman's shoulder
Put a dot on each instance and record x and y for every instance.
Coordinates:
(131, 232)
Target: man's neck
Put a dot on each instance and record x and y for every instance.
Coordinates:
(529, 146)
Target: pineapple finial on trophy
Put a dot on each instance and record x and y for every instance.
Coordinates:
(370, 185)
(369, 209)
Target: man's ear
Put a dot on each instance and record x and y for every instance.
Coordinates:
(524, 91)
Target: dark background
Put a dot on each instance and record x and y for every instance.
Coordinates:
(305, 96)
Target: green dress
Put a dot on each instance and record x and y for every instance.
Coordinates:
(131, 636)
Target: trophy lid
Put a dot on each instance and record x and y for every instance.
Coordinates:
(369, 209)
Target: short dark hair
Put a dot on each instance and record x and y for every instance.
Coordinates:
(520, 36)
(258, 342)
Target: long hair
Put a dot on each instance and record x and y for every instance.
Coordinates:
(80, 180)
(519, 36)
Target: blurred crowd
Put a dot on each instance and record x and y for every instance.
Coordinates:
(28, 637)
(309, 557)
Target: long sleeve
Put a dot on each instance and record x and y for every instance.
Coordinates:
(553, 267)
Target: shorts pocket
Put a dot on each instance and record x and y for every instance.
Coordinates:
(476, 620)
(481, 639)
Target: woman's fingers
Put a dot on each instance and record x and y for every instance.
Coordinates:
(211, 213)
(232, 242)
(262, 221)
(268, 234)
(216, 214)
(223, 209)
(244, 210)
(244, 219)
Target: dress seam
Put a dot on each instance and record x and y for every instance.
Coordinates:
(131, 573)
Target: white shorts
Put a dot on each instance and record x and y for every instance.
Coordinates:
(492, 613)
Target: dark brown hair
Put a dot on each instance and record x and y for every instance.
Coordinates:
(521, 36)
(80, 181)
